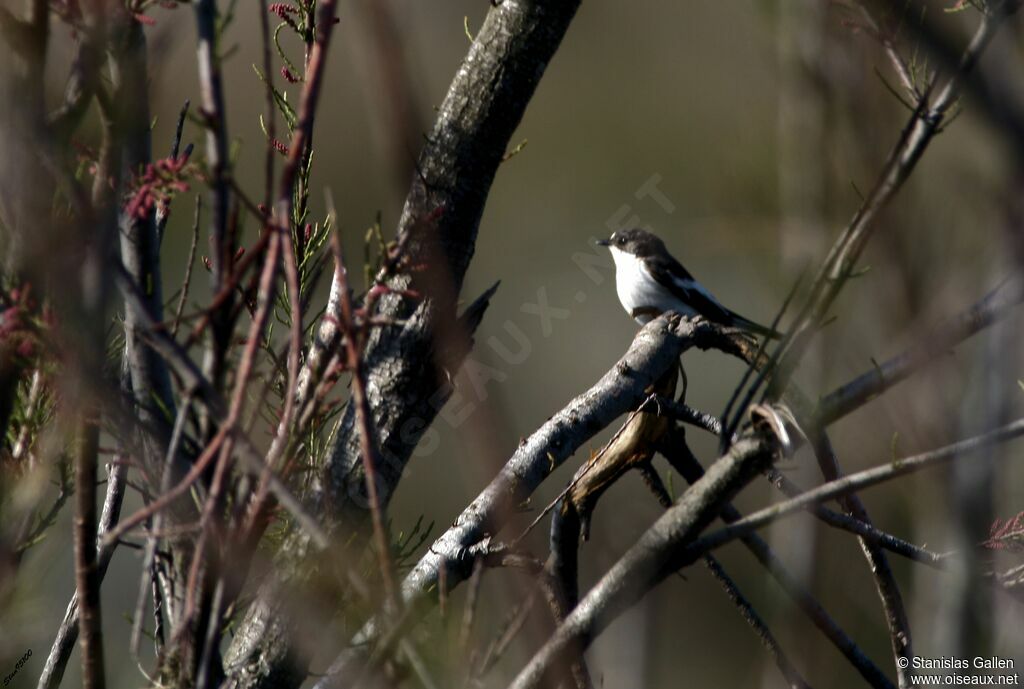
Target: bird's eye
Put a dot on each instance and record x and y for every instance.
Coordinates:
(620, 241)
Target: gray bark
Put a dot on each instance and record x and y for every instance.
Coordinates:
(408, 363)
(655, 349)
(655, 555)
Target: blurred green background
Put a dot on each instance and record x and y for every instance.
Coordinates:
(758, 122)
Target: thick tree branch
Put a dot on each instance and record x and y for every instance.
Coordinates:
(407, 364)
(214, 115)
(67, 634)
(654, 556)
(663, 547)
(655, 349)
(678, 454)
(140, 243)
(87, 579)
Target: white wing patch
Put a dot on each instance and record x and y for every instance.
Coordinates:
(694, 286)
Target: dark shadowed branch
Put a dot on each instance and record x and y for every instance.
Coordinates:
(439, 223)
(678, 454)
(87, 579)
(663, 548)
(653, 557)
(792, 676)
(855, 482)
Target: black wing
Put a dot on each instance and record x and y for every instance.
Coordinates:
(670, 274)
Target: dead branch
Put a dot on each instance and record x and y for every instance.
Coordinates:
(858, 481)
(653, 557)
(655, 349)
(678, 454)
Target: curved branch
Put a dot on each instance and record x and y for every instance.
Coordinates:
(407, 364)
(679, 456)
(655, 349)
(662, 548)
(654, 556)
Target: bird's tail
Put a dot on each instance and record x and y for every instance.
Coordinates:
(755, 328)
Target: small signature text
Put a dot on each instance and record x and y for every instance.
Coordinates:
(17, 666)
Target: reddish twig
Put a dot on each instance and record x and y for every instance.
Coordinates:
(354, 339)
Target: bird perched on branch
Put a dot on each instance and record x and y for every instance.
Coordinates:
(650, 281)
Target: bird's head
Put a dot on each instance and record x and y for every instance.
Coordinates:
(635, 241)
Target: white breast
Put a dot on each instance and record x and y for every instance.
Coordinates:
(637, 288)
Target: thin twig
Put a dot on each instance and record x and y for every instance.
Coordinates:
(67, 634)
(210, 399)
(190, 262)
(469, 612)
(354, 342)
(682, 412)
(163, 211)
(855, 526)
(149, 556)
(898, 63)
(896, 617)
(678, 454)
(991, 308)
(924, 123)
(855, 482)
(764, 634)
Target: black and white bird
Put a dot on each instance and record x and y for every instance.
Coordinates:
(650, 281)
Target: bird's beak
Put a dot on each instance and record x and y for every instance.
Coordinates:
(604, 242)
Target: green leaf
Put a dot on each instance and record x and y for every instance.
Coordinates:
(281, 99)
